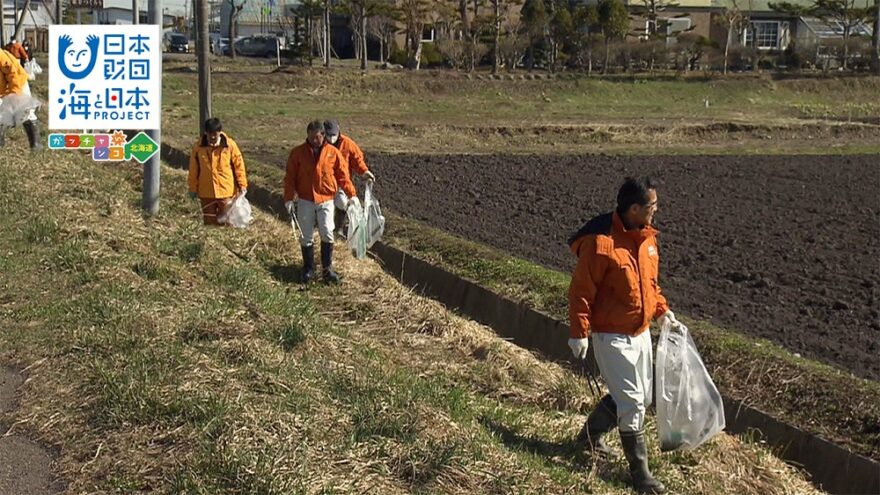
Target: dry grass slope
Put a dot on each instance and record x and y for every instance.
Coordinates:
(168, 358)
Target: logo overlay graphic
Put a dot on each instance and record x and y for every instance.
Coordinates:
(112, 147)
(105, 77)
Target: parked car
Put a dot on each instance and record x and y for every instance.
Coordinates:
(223, 46)
(176, 42)
(219, 45)
(257, 46)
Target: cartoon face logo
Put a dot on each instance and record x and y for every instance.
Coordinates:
(75, 60)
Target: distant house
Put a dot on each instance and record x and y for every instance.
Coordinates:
(35, 24)
(766, 29)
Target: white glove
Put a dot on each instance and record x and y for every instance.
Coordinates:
(579, 347)
(369, 176)
(242, 192)
(354, 201)
(291, 208)
(668, 318)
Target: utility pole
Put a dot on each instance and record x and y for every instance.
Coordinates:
(204, 64)
(19, 22)
(151, 167)
(58, 19)
(877, 37)
(327, 44)
(2, 24)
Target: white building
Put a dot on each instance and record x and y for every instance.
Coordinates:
(35, 23)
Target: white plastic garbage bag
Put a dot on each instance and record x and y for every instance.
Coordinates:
(16, 108)
(375, 221)
(239, 213)
(33, 69)
(357, 230)
(689, 407)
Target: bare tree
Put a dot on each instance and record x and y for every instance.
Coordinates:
(614, 22)
(734, 19)
(234, 12)
(501, 12)
(383, 26)
(357, 11)
(559, 32)
(534, 24)
(309, 11)
(656, 24)
(20, 21)
(326, 46)
(414, 14)
(586, 35)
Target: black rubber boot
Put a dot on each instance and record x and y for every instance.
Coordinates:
(33, 134)
(339, 218)
(327, 263)
(3, 130)
(308, 271)
(602, 420)
(636, 451)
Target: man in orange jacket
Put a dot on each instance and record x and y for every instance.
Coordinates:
(613, 296)
(14, 80)
(354, 157)
(315, 172)
(17, 51)
(216, 172)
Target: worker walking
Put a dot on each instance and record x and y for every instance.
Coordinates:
(216, 172)
(14, 81)
(18, 51)
(315, 172)
(354, 159)
(613, 296)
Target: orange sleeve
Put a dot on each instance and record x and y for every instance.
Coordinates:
(342, 177)
(662, 304)
(238, 167)
(585, 282)
(290, 177)
(356, 160)
(193, 178)
(13, 75)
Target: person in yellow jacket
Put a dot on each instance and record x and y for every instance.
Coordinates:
(14, 80)
(216, 172)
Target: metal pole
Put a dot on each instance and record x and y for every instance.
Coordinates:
(151, 167)
(19, 22)
(3, 39)
(15, 15)
(877, 37)
(135, 12)
(58, 19)
(204, 65)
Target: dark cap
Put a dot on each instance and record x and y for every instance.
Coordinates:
(331, 127)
